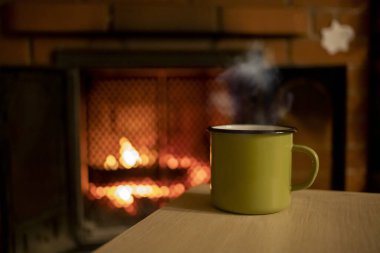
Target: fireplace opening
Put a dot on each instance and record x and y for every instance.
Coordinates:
(143, 137)
(146, 139)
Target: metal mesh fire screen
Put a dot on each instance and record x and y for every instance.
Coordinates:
(146, 135)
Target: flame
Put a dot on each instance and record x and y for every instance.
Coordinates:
(124, 194)
(111, 163)
(129, 157)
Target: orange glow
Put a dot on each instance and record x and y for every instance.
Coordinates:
(129, 157)
(144, 159)
(164, 160)
(124, 194)
(111, 163)
(172, 163)
(185, 162)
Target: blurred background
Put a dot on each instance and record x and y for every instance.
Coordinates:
(104, 105)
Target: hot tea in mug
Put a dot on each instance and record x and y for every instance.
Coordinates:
(251, 167)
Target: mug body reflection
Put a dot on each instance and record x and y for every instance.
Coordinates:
(251, 168)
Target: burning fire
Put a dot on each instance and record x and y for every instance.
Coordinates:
(130, 157)
(126, 194)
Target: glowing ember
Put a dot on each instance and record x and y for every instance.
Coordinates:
(129, 157)
(124, 194)
(111, 163)
(172, 163)
(185, 162)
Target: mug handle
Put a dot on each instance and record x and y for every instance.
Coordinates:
(314, 166)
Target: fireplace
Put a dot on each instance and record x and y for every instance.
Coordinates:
(134, 135)
(142, 119)
(145, 137)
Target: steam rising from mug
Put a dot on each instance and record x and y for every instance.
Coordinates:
(253, 90)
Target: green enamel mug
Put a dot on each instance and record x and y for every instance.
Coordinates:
(251, 167)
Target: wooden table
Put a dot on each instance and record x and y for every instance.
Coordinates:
(316, 221)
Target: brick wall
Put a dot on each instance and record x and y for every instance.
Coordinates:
(32, 30)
